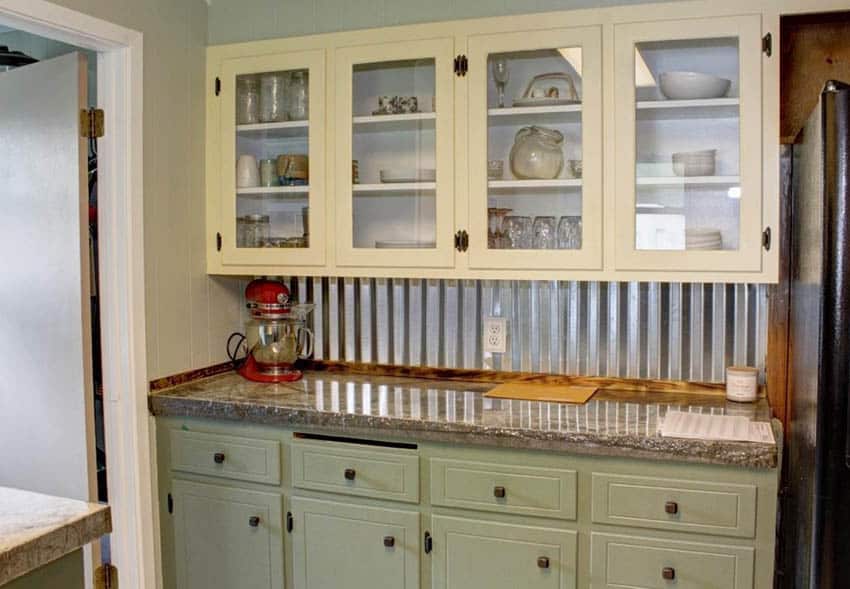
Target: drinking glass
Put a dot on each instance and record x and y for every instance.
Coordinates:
(545, 235)
(501, 75)
(569, 233)
(518, 231)
(495, 232)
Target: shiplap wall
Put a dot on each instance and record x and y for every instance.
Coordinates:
(644, 330)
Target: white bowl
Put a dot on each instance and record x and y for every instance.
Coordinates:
(695, 163)
(693, 85)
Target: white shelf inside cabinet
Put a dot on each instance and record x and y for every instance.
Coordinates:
(535, 114)
(709, 108)
(410, 121)
(514, 184)
(274, 130)
(395, 188)
(689, 181)
(276, 191)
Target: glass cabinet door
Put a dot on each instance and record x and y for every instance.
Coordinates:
(272, 160)
(689, 145)
(535, 149)
(394, 157)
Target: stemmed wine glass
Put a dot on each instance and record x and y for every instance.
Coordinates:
(501, 76)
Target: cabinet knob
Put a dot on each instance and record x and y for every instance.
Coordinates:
(389, 541)
(543, 562)
(253, 521)
(499, 492)
(671, 507)
(668, 573)
(349, 474)
(218, 457)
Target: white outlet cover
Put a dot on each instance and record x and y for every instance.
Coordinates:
(495, 335)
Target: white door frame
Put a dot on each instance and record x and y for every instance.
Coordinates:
(130, 461)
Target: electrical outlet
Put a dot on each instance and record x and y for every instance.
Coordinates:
(495, 334)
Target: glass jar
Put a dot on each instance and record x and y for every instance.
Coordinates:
(257, 230)
(240, 231)
(537, 153)
(273, 107)
(247, 100)
(299, 99)
(268, 173)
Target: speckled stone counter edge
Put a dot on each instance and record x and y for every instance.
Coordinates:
(54, 544)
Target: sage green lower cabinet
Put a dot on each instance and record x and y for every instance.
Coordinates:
(471, 553)
(650, 563)
(336, 544)
(227, 538)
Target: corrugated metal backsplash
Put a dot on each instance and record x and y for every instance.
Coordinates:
(680, 331)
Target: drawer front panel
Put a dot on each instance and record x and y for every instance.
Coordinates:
(544, 492)
(473, 553)
(629, 561)
(669, 504)
(245, 459)
(379, 474)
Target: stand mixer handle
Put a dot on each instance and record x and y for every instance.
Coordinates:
(308, 351)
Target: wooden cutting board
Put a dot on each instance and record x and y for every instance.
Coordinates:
(550, 393)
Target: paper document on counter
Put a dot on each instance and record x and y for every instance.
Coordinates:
(704, 426)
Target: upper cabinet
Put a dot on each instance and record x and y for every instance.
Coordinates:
(535, 149)
(624, 143)
(394, 154)
(689, 149)
(272, 142)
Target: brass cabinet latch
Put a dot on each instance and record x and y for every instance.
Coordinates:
(462, 240)
(92, 123)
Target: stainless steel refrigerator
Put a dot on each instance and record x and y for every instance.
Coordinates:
(815, 521)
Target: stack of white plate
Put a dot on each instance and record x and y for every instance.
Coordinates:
(695, 163)
(703, 239)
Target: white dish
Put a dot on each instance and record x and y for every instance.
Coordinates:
(693, 86)
(695, 163)
(405, 245)
(411, 175)
(524, 102)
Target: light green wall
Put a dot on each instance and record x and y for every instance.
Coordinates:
(231, 21)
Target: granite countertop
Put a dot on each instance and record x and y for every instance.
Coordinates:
(37, 529)
(613, 423)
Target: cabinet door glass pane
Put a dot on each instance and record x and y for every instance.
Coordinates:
(272, 167)
(534, 149)
(394, 155)
(687, 144)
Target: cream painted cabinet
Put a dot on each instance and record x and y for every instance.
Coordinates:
(271, 171)
(395, 154)
(689, 145)
(535, 153)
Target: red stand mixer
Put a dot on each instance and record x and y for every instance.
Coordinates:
(276, 335)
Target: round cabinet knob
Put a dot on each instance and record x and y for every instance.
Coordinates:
(671, 507)
(668, 573)
(499, 492)
(253, 521)
(218, 457)
(543, 562)
(389, 541)
(349, 474)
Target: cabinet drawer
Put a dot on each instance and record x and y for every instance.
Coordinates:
(473, 553)
(628, 561)
(505, 488)
(670, 504)
(245, 459)
(339, 468)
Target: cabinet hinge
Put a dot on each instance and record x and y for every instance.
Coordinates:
(765, 239)
(428, 543)
(170, 501)
(767, 44)
(217, 86)
(92, 123)
(218, 241)
(290, 522)
(106, 577)
(462, 240)
(461, 65)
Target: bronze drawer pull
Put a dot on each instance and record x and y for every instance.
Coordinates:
(543, 562)
(668, 573)
(671, 507)
(349, 474)
(389, 541)
(253, 521)
(499, 492)
(218, 457)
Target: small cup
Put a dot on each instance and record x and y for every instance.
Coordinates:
(495, 169)
(385, 105)
(268, 173)
(247, 172)
(742, 384)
